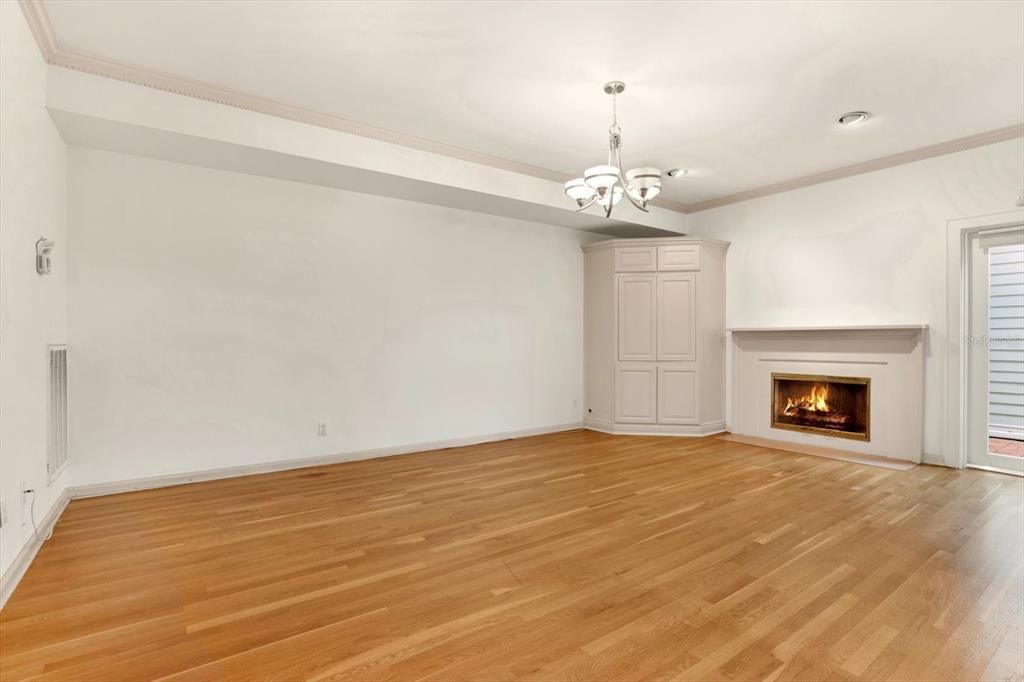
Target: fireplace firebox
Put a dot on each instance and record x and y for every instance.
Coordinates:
(826, 405)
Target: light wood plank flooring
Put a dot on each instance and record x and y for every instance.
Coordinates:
(576, 556)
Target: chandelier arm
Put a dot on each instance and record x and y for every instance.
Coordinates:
(633, 201)
(585, 206)
(611, 205)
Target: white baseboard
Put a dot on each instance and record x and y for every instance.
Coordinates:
(998, 470)
(690, 431)
(129, 485)
(12, 576)
(933, 459)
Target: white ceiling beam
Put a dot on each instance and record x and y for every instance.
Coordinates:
(100, 112)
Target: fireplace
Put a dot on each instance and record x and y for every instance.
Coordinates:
(827, 405)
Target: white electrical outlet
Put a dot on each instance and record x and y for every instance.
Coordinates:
(321, 429)
(23, 486)
(3, 513)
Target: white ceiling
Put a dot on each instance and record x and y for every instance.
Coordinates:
(745, 94)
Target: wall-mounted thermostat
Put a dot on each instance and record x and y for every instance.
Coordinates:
(43, 262)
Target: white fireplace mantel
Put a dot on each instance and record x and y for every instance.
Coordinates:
(891, 356)
(841, 328)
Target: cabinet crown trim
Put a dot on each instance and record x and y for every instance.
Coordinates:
(655, 241)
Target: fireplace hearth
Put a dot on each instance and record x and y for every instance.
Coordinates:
(827, 405)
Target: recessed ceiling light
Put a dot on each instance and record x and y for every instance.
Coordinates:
(677, 172)
(853, 118)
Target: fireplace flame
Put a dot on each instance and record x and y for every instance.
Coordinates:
(815, 401)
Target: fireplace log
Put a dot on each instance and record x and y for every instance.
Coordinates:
(830, 418)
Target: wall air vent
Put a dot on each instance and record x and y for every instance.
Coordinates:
(57, 418)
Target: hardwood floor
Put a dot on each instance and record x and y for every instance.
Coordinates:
(571, 556)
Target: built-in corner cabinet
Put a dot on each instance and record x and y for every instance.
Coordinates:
(654, 346)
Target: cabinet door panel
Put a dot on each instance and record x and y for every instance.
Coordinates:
(677, 317)
(679, 257)
(636, 396)
(636, 259)
(677, 395)
(637, 312)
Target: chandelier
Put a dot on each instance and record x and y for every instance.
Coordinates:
(605, 185)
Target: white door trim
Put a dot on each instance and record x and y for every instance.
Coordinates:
(998, 470)
(958, 231)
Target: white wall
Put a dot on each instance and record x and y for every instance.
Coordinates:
(32, 308)
(216, 318)
(869, 249)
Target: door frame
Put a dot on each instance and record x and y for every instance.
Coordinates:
(958, 254)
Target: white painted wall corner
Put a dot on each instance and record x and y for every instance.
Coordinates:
(13, 575)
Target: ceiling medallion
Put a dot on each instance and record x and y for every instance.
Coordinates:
(605, 185)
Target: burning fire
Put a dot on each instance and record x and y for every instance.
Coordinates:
(815, 401)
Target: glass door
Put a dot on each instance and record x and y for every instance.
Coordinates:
(995, 362)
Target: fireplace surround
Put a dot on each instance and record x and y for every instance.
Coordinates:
(816, 403)
(888, 359)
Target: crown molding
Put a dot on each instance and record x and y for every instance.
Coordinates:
(54, 54)
(190, 88)
(106, 68)
(39, 24)
(910, 156)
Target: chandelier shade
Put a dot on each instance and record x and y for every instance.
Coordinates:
(579, 190)
(601, 177)
(644, 183)
(605, 185)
